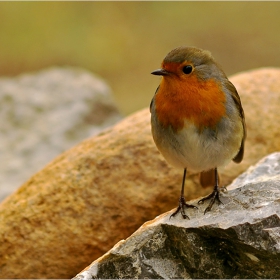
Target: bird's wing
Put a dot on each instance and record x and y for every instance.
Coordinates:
(239, 156)
(151, 104)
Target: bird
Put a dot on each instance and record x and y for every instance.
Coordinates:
(197, 119)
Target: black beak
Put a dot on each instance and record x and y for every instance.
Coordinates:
(160, 72)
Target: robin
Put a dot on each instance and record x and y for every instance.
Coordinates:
(197, 118)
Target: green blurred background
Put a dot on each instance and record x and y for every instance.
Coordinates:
(123, 42)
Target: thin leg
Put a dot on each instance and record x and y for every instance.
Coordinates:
(215, 195)
(182, 201)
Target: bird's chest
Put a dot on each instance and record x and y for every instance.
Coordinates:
(202, 105)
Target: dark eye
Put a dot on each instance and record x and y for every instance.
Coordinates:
(187, 69)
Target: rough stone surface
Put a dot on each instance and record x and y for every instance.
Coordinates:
(45, 113)
(239, 239)
(106, 187)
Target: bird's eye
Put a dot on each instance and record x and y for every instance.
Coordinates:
(187, 69)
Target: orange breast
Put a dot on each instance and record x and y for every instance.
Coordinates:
(200, 102)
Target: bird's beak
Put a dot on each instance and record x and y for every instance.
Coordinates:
(160, 72)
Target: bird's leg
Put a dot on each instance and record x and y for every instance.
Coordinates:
(182, 201)
(215, 195)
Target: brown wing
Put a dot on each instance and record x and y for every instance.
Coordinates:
(238, 158)
(207, 178)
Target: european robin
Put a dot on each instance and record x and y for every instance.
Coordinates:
(197, 118)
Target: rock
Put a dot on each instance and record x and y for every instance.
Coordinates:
(239, 239)
(46, 113)
(86, 200)
(101, 191)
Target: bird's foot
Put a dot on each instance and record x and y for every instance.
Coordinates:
(181, 206)
(214, 196)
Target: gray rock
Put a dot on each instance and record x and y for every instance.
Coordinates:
(237, 239)
(45, 113)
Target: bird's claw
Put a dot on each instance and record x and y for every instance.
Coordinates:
(180, 208)
(214, 196)
(223, 189)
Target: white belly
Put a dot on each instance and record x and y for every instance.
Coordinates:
(199, 151)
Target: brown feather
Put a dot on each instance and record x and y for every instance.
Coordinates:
(239, 156)
(207, 178)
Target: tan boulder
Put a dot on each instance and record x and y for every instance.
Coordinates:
(103, 189)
